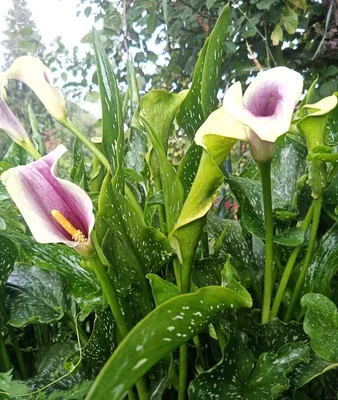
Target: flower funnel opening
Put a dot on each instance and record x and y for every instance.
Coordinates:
(76, 234)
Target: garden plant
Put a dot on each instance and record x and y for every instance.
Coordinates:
(120, 279)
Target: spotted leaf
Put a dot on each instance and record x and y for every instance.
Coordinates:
(239, 378)
(167, 327)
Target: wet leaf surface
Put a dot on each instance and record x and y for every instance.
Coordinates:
(167, 327)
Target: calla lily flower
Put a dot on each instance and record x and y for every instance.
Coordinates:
(55, 210)
(35, 74)
(259, 116)
(322, 107)
(10, 124)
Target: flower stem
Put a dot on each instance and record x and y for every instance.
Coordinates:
(299, 285)
(29, 147)
(6, 363)
(199, 349)
(265, 170)
(111, 296)
(289, 266)
(90, 145)
(183, 372)
(184, 365)
(76, 328)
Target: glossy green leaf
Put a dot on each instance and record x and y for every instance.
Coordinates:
(112, 129)
(272, 335)
(131, 246)
(323, 265)
(101, 343)
(62, 260)
(162, 290)
(9, 254)
(35, 296)
(16, 155)
(164, 329)
(132, 87)
(201, 99)
(288, 165)
(137, 149)
(51, 365)
(159, 108)
(249, 195)
(213, 62)
(306, 372)
(188, 167)
(77, 392)
(172, 189)
(237, 377)
(10, 389)
(78, 172)
(321, 324)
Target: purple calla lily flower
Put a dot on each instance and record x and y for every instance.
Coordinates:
(259, 116)
(55, 210)
(10, 124)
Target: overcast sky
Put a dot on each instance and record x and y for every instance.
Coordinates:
(53, 18)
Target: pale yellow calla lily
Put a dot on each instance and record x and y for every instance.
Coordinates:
(32, 72)
(323, 106)
(219, 123)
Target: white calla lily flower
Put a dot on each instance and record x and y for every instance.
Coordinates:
(32, 72)
(259, 116)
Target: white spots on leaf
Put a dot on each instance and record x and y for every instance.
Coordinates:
(140, 363)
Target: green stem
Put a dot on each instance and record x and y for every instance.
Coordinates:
(205, 243)
(29, 147)
(14, 340)
(4, 355)
(176, 266)
(88, 143)
(160, 207)
(220, 336)
(299, 285)
(289, 266)
(265, 170)
(184, 364)
(111, 296)
(199, 349)
(77, 330)
(183, 372)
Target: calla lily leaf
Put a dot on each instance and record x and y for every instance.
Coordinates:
(159, 108)
(9, 253)
(112, 124)
(131, 246)
(201, 98)
(238, 376)
(320, 324)
(167, 327)
(43, 293)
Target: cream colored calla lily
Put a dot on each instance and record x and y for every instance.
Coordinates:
(259, 116)
(323, 106)
(32, 72)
